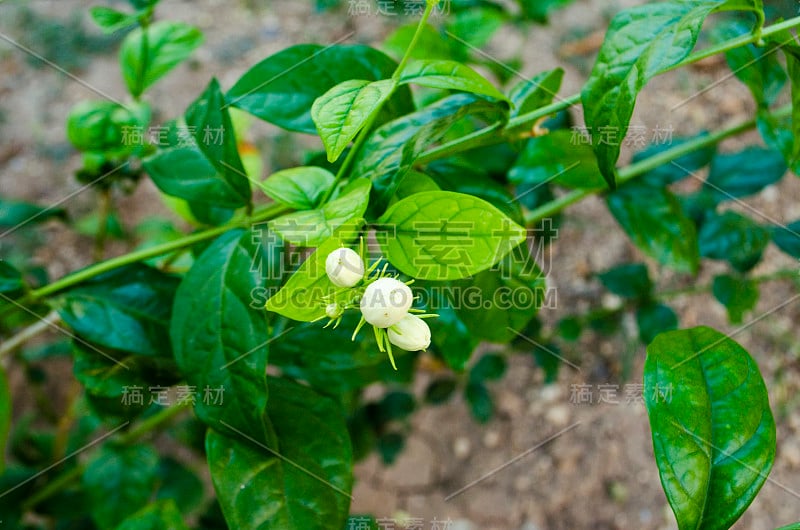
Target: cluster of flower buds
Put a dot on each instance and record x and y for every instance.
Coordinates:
(384, 301)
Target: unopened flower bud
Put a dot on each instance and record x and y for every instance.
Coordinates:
(385, 302)
(344, 267)
(410, 334)
(334, 310)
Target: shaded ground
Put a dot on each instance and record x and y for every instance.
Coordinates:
(600, 472)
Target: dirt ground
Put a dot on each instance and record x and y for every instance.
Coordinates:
(598, 472)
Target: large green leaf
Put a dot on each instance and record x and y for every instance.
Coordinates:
(120, 481)
(734, 238)
(161, 515)
(310, 228)
(218, 334)
(341, 112)
(127, 309)
(391, 150)
(299, 188)
(448, 75)
(640, 42)
(654, 220)
(111, 20)
(303, 297)
(442, 235)
(282, 88)
(147, 54)
(713, 431)
(556, 158)
(300, 481)
(744, 173)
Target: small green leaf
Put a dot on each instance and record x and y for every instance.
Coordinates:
(104, 127)
(15, 214)
(490, 367)
(678, 169)
(654, 220)
(147, 54)
(448, 75)
(441, 235)
(734, 238)
(303, 296)
(299, 188)
(218, 334)
(630, 280)
(120, 481)
(640, 42)
(555, 158)
(267, 486)
(713, 431)
(395, 406)
(111, 20)
(310, 228)
(747, 172)
(475, 25)
(179, 484)
(538, 10)
(653, 319)
(453, 339)
(161, 515)
(127, 309)
(738, 294)
(10, 279)
(341, 112)
(479, 401)
(5, 417)
(787, 238)
(440, 391)
(282, 88)
(534, 93)
(569, 328)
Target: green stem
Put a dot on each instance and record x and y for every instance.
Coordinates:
(267, 213)
(103, 213)
(429, 5)
(637, 169)
(68, 477)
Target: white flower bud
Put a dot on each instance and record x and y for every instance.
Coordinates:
(385, 302)
(411, 334)
(333, 310)
(344, 267)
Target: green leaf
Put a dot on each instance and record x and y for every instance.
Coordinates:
(395, 405)
(475, 25)
(179, 484)
(362, 522)
(479, 401)
(120, 481)
(111, 20)
(10, 279)
(299, 188)
(311, 227)
(531, 94)
(653, 319)
(448, 75)
(430, 43)
(127, 309)
(415, 182)
(268, 486)
(490, 367)
(303, 296)
(161, 515)
(630, 280)
(392, 149)
(539, 10)
(793, 526)
(497, 303)
(14, 214)
(282, 88)
(757, 67)
(453, 339)
(569, 328)
(147, 54)
(556, 158)
(5, 417)
(341, 112)
(744, 173)
(713, 431)
(738, 294)
(218, 334)
(640, 42)
(734, 238)
(440, 391)
(654, 220)
(787, 238)
(105, 127)
(442, 235)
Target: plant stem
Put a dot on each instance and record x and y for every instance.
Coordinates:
(28, 333)
(417, 34)
(637, 169)
(264, 214)
(65, 479)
